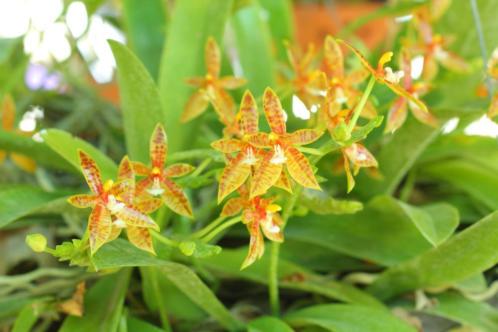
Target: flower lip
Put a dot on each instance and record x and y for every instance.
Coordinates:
(114, 205)
(278, 155)
(393, 76)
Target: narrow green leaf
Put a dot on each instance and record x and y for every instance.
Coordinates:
(140, 102)
(26, 319)
(103, 305)
(465, 254)
(454, 306)
(280, 15)
(268, 323)
(31, 198)
(146, 26)
(251, 33)
(192, 22)
(348, 318)
(135, 324)
(67, 147)
(121, 253)
(291, 276)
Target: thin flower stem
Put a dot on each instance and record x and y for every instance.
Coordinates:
(221, 228)
(482, 44)
(161, 238)
(201, 167)
(195, 154)
(203, 231)
(359, 107)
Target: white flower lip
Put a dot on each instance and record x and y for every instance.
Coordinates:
(278, 156)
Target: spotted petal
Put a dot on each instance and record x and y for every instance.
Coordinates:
(248, 114)
(284, 182)
(232, 207)
(300, 169)
(133, 217)
(148, 205)
(177, 170)
(82, 201)
(195, 106)
(266, 175)
(99, 227)
(212, 57)
(140, 237)
(274, 112)
(231, 82)
(175, 198)
(304, 136)
(158, 147)
(360, 156)
(91, 173)
(140, 168)
(224, 105)
(124, 190)
(397, 115)
(125, 170)
(227, 145)
(143, 185)
(233, 176)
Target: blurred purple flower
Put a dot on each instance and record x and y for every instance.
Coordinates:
(38, 77)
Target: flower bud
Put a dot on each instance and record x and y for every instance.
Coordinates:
(37, 242)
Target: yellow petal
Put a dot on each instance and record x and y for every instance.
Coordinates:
(8, 113)
(158, 147)
(99, 227)
(232, 207)
(304, 136)
(231, 82)
(195, 106)
(133, 217)
(212, 57)
(23, 162)
(266, 175)
(140, 237)
(274, 112)
(177, 170)
(233, 176)
(175, 198)
(256, 245)
(227, 145)
(397, 115)
(82, 201)
(91, 172)
(248, 113)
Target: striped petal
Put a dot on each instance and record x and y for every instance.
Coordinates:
(256, 245)
(233, 176)
(158, 146)
(177, 170)
(300, 169)
(274, 112)
(266, 175)
(259, 140)
(333, 57)
(195, 106)
(248, 114)
(133, 217)
(140, 237)
(304, 136)
(231, 82)
(175, 198)
(91, 172)
(232, 207)
(397, 115)
(82, 201)
(124, 190)
(148, 205)
(224, 105)
(125, 170)
(227, 145)
(284, 183)
(212, 57)
(143, 185)
(99, 227)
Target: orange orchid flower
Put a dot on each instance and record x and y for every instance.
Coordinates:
(306, 82)
(239, 168)
(284, 150)
(157, 181)
(341, 86)
(257, 214)
(398, 111)
(434, 48)
(8, 113)
(386, 75)
(113, 206)
(211, 89)
(358, 156)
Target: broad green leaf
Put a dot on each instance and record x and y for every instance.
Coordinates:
(103, 305)
(467, 253)
(454, 306)
(35, 150)
(281, 21)
(477, 180)
(252, 34)
(348, 318)
(323, 204)
(67, 146)
(140, 102)
(192, 22)
(382, 232)
(268, 323)
(146, 26)
(291, 276)
(135, 324)
(121, 253)
(32, 199)
(396, 158)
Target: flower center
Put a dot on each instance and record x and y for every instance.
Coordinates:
(250, 158)
(114, 205)
(156, 189)
(393, 76)
(278, 155)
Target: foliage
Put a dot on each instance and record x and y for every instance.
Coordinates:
(238, 214)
